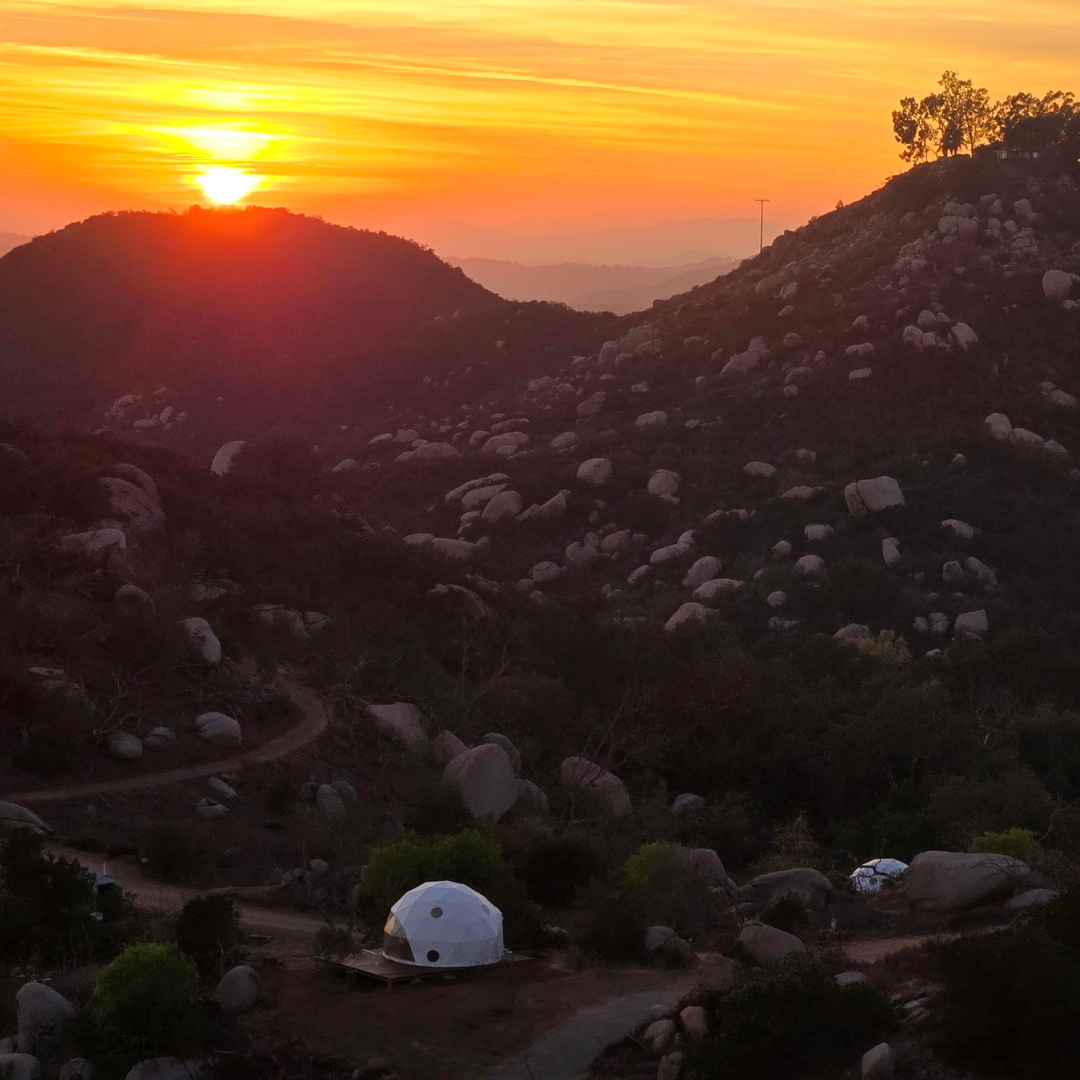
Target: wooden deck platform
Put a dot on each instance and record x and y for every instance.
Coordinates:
(373, 965)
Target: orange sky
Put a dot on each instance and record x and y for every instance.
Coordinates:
(534, 113)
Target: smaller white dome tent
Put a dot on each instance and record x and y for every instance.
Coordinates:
(872, 875)
(443, 924)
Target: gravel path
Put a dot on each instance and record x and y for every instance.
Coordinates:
(568, 1051)
(310, 727)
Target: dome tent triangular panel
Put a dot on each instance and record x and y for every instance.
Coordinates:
(443, 924)
(872, 875)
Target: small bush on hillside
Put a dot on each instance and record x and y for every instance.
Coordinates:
(281, 798)
(1010, 1001)
(554, 868)
(964, 807)
(615, 921)
(45, 905)
(175, 853)
(439, 811)
(793, 846)
(656, 886)
(332, 943)
(45, 752)
(144, 999)
(1019, 843)
(790, 1020)
(206, 929)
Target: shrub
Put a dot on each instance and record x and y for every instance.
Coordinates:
(790, 1019)
(332, 943)
(206, 929)
(1010, 1004)
(45, 904)
(281, 798)
(554, 868)
(615, 922)
(145, 998)
(655, 886)
(793, 846)
(439, 811)
(175, 853)
(1019, 843)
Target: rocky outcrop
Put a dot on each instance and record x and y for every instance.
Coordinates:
(238, 990)
(224, 458)
(13, 816)
(872, 496)
(485, 779)
(42, 1016)
(767, 945)
(219, 730)
(200, 641)
(952, 880)
(594, 472)
(807, 886)
(597, 792)
(400, 720)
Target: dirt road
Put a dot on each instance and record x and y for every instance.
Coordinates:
(312, 725)
(278, 923)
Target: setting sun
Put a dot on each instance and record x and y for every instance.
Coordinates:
(224, 184)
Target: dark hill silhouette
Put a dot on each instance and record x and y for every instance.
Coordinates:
(294, 323)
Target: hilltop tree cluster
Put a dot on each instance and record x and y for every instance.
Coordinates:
(960, 117)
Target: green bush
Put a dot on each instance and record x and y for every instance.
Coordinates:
(175, 853)
(45, 905)
(1010, 1001)
(656, 886)
(145, 997)
(206, 929)
(1019, 843)
(614, 923)
(281, 798)
(332, 943)
(469, 858)
(554, 868)
(790, 1020)
(439, 811)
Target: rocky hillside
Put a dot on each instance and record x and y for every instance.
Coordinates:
(657, 641)
(871, 426)
(838, 482)
(180, 330)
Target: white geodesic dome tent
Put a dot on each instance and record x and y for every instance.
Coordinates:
(872, 875)
(443, 924)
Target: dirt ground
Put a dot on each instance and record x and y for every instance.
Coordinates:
(459, 1030)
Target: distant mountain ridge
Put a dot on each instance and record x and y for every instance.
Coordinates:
(666, 243)
(9, 240)
(588, 287)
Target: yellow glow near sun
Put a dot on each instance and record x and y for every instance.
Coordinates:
(224, 184)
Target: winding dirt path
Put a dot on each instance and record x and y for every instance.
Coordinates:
(312, 725)
(278, 922)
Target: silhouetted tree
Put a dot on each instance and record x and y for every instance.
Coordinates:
(958, 116)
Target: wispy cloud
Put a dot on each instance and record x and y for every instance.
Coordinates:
(491, 107)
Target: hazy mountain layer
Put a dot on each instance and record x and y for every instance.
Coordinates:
(621, 289)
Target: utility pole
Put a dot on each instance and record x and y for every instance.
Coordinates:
(761, 203)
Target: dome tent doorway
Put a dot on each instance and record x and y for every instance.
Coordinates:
(443, 924)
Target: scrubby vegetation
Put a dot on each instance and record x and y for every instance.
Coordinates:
(791, 1020)
(1011, 1000)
